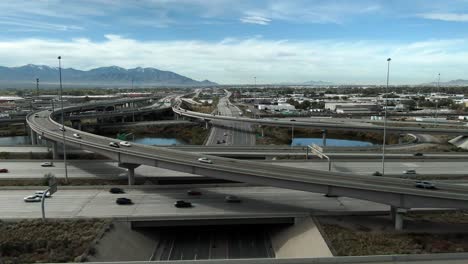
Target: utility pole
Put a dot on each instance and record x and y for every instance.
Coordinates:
(37, 86)
(63, 127)
(437, 99)
(385, 118)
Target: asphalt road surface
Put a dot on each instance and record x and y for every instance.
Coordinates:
(80, 169)
(157, 202)
(429, 167)
(233, 133)
(188, 243)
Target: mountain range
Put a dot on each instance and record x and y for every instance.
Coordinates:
(458, 82)
(317, 83)
(112, 75)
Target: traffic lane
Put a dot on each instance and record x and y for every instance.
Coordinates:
(82, 169)
(391, 167)
(158, 202)
(370, 183)
(304, 175)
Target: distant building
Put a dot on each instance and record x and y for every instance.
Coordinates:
(276, 107)
(350, 108)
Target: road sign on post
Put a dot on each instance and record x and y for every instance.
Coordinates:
(51, 190)
(52, 185)
(318, 151)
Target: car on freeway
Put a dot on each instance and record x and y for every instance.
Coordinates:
(225, 134)
(47, 164)
(205, 160)
(3, 170)
(218, 142)
(62, 128)
(377, 173)
(125, 143)
(123, 201)
(425, 185)
(194, 192)
(224, 141)
(32, 198)
(36, 115)
(113, 144)
(232, 199)
(40, 193)
(409, 172)
(116, 190)
(182, 204)
(293, 120)
(419, 154)
(77, 135)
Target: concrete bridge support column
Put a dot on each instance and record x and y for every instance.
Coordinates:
(131, 171)
(54, 150)
(207, 125)
(76, 124)
(33, 137)
(263, 132)
(324, 137)
(397, 217)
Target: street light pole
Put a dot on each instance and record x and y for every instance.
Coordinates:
(37, 86)
(63, 127)
(385, 118)
(437, 100)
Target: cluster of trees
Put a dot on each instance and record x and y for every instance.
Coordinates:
(305, 105)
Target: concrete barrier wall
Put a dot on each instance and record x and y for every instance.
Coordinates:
(301, 240)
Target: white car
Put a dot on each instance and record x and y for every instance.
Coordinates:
(77, 135)
(409, 172)
(47, 164)
(125, 143)
(205, 160)
(62, 128)
(40, 193)
(32, 198)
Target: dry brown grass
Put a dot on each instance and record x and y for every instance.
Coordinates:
(348, 242)
(30, 241)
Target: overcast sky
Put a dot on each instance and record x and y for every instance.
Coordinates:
(233, 41)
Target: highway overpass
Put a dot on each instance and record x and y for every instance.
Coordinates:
(398, 193)
(323, 125)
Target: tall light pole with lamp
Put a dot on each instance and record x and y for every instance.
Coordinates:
(62, 122)
(385, 118)
(437, 99)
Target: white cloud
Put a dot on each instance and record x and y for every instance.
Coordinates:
(237, 61)
(451, 17)
(255, 20)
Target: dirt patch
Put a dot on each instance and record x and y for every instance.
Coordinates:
(282, 136)
(190, 134)
(371, 235)
(30, 241)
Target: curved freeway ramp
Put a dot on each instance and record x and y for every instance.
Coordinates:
(395, 192)
(323, 125)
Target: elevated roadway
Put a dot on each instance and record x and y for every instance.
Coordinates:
(324, 125)
(398, 193)
(157, 203)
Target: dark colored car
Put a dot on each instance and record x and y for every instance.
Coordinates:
(377, 173)
(116, 190)
(193, 192)
(123, 200)
(418, 154)
(292, 120)
(3, 170)
(182, 204)
(232, 199)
